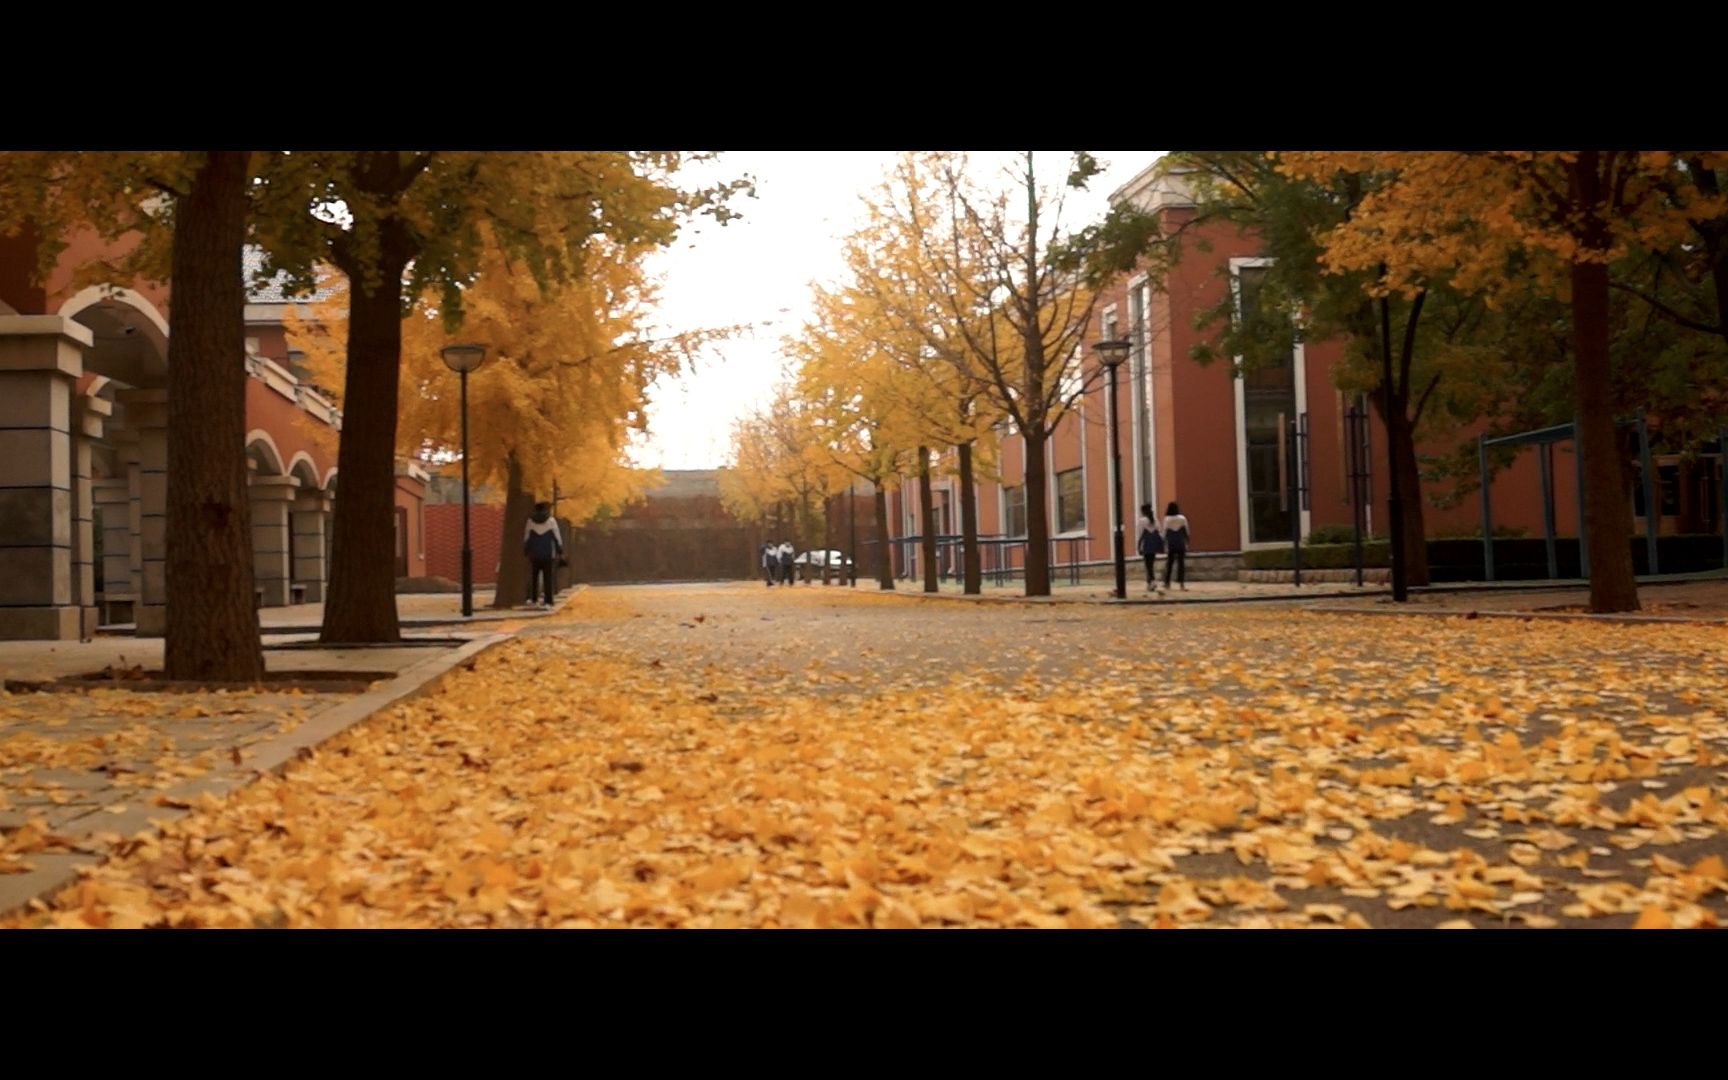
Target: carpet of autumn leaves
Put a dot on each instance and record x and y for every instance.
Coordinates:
(727, 757)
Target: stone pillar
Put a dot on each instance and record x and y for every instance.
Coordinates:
(147, 414)
(127, 582)
(114, 500)
(307, 520)
(41, 358)
(271, 498)
(89, 416)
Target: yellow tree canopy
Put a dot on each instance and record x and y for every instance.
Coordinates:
(566, 379)
(781, 458)
(1492, 221)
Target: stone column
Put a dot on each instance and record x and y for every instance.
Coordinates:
(41, 358)
(114, 499)
(307, 519)
(126, 442)
(271, 498)
(147, 414)
(90, 414)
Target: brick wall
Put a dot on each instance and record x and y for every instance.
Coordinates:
(444, 540)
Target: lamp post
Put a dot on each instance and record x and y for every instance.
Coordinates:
(462, 359)
(1111, 354)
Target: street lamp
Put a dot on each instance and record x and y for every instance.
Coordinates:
(1111, 354)
(462, 359)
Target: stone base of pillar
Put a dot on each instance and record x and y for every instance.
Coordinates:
(45, 624)
(151, 620)
(275, 592)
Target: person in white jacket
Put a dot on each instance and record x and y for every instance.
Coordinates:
(544, 546)
(1175, 546)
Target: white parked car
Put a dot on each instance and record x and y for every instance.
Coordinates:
(818, 559)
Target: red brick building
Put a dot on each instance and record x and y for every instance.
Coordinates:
(83, 451)
(1197, 435)
(444, 540)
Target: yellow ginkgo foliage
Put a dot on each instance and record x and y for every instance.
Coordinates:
(782, 469)
(564, 382)
(564, 385)
(1491, 222)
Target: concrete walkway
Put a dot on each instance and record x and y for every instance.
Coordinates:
(82, 769)
(1092, 591)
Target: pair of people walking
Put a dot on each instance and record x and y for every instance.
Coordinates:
(1170, 539)
(777, 562)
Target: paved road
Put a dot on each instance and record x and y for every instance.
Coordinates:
(737, 755)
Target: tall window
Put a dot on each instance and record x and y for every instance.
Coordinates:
(1071, 501)
(1139, 379)
(1073, 379)
(1269, 405)
(1014, 510)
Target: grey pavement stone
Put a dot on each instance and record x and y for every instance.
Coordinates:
(125, 818)
(253, 724)
(61, 818)
(73, 779)
(49, 873)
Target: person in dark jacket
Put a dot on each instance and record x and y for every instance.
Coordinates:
(1150, 544)
(544, 546)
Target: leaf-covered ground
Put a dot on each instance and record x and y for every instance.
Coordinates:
(77, 764)
(738, 756)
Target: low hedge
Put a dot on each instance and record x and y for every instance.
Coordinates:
(1320, 556)
(1519, 559)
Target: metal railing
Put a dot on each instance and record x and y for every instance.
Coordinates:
(1002, 559)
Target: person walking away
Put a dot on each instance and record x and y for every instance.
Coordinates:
(1176, 543)
(786, 568)
(768, 556)
(544, 546)
(1151, 544)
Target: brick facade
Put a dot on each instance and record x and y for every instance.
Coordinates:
(444, 540)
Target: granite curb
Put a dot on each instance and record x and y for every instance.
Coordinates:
(1559, 616)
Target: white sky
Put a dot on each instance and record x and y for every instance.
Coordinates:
(757, 270)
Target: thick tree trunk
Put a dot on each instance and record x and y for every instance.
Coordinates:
(927, 520)
(1607, 515)
(1410, 487)
(1037, 515)
(973, 572)
(362, 604)
(512, 588)
(212, 616)
(884, 555)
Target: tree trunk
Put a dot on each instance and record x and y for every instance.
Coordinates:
(1607, 517)
(927, 520)
(362, 605)
(884, 556)
(1403, 451)
(973, 572)
(1037, 517)
(512, 579)
(212, 616)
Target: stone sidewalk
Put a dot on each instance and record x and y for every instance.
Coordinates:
(412, 609)
(1512, 594)
(82, 770)
(1097, 591)
(1693, 600)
